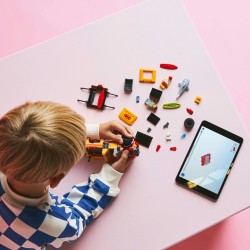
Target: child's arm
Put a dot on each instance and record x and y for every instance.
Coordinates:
(86, 201)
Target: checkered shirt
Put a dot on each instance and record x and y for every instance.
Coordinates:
(27, 223)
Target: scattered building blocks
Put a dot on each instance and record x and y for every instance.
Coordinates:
(166, 125)
(190, 111)
(183, 87)
(155, 95)
(137, 99)
(151, 105)
(189, 123)
(143, 139)
(152, 79)
(166, 82)
(158, 148)
(168, 66)
(127, 116)
(183, 135)
(103, 93)
(154, 119)
(168, 137)
(128, 85)
(197, 99)
(172, 105)
(173, 148)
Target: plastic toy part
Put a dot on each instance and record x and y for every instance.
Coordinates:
(183, 135)
(190, 111)
(154, 119)
(151, 105)
(128, 85)
(166, 82)
(168, 66)
(137, 99)
(149, 130)
(183, 87)
(172, 105)
(189, 123)
(173, 148)
(166, 125)
(152, 79)
(197, 99)
(155, 95)
(103, 93)
(143, 139)
(127, 116)
(168, 137)
(107, 149)
(158, 148)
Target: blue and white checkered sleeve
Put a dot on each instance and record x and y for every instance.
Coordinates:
(90, 199)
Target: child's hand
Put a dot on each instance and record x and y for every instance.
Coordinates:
(109, 131)
(120, 164)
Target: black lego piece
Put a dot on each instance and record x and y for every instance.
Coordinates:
(155, 95)
(154, 119)
(128, 85)
(143, 139)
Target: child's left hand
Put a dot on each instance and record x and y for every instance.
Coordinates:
(108, 130)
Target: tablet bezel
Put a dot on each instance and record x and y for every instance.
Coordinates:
(201, 190)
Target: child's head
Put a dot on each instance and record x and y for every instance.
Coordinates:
(40, 140)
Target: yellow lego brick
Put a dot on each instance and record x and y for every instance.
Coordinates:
(198, 99)
(127, 116)
(147, 80)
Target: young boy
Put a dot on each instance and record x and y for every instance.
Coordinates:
(39, 144)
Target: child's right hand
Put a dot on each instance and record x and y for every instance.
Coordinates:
(120, 164)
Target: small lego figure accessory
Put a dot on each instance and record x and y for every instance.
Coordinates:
(168, 66)
(173, 148)
(183, 135)
(183, 87)
(151, 105)
(137, 99)
(198, 99)
(158, 148)
(168, 137)
(149, 130)
(172, 105)
(166, 82)
(190, 111)
(166, 125)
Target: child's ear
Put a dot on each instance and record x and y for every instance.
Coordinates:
(54, 181)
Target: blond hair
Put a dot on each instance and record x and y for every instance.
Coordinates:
(40, 140)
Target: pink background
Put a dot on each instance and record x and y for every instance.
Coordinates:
(224, 28)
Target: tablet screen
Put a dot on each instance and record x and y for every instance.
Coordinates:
(209, 160)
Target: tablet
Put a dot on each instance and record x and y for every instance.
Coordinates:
(209, 160)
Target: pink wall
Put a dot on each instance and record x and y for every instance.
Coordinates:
(223, 26)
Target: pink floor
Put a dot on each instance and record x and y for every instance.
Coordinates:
(224, 27)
